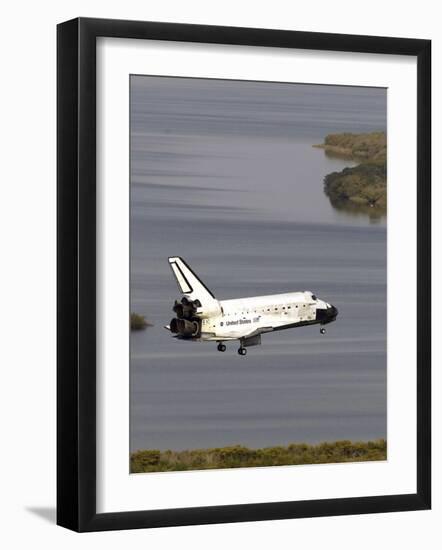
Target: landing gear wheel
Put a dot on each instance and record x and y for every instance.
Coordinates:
(221, 347)
(322, 330)
(242, 351)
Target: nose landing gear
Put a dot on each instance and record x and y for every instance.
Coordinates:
(221, 347)
(242, 351)
(322, 330)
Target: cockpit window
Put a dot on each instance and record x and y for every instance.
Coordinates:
(314, 297)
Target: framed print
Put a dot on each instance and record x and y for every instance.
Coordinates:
(243, 274)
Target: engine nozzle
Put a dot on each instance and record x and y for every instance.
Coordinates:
(185, 328)
(185, 309)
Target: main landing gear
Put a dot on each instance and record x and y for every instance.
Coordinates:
(241, 351)
(322, 330)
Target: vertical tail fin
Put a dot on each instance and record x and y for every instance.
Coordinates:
(188, 282)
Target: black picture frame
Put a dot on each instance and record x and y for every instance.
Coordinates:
(76, 272)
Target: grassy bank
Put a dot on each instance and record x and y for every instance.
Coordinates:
(362, 188)
(242, 457)
(372, 146)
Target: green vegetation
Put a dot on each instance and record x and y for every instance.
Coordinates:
(357, 146)
(362, 188)
(364, 185)
(138, 322)
(238, 456)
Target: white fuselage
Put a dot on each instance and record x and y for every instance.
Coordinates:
(243, 316)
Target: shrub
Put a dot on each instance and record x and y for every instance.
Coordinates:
(138, 322)
(145, 461)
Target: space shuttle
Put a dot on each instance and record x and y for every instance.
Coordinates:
(199, 316)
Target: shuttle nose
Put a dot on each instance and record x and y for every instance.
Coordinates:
(332, 313)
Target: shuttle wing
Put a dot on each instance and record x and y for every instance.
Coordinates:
(253, 338)
(188, 282)
(257, 332)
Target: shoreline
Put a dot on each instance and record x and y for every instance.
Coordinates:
(361, 188)
(342, 152)
(238, 456)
